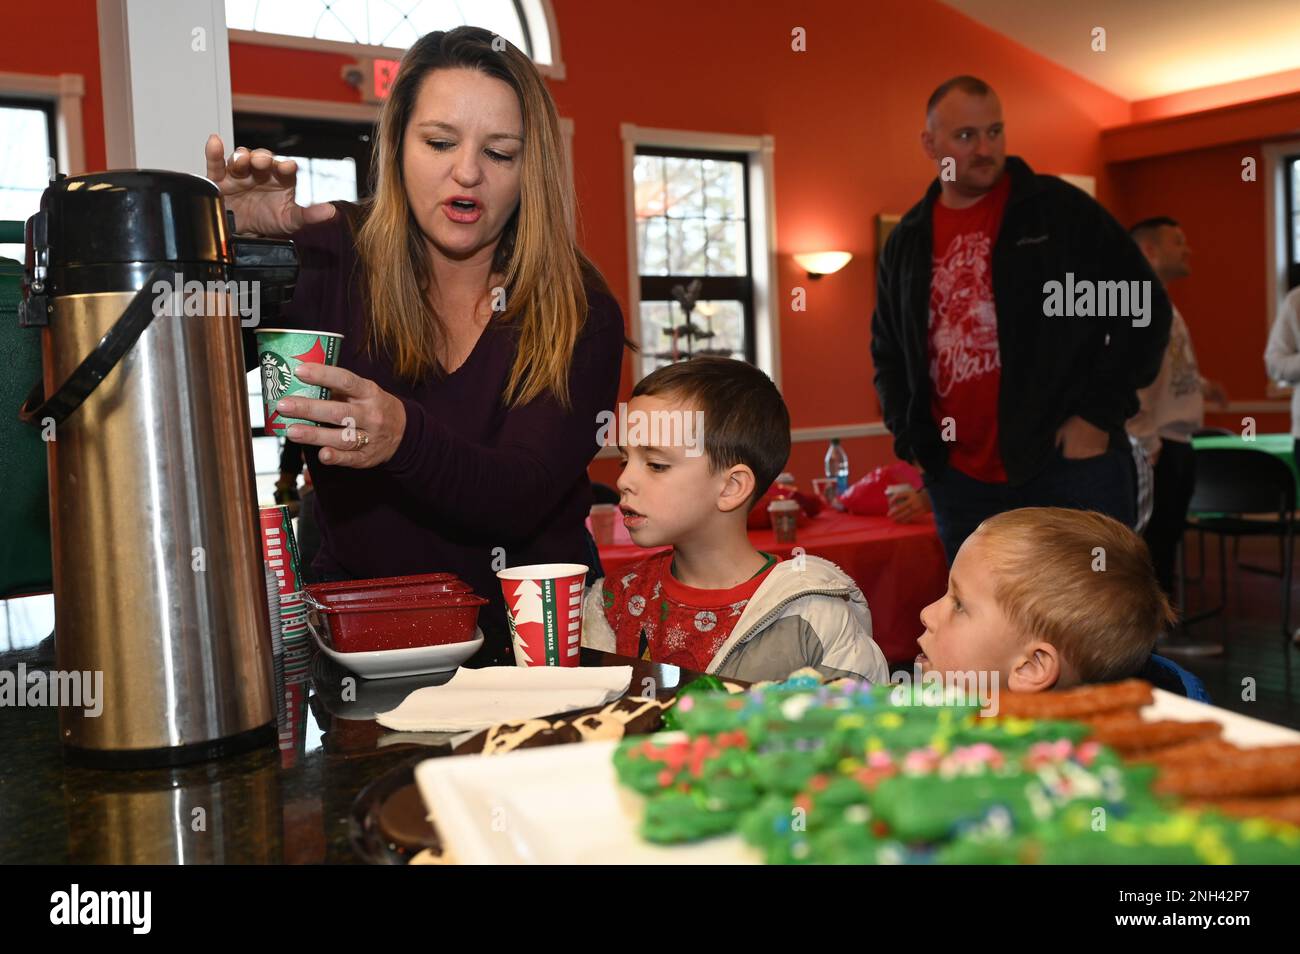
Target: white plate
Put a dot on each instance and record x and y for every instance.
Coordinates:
(1238, 729)
(563, 804)
(387, 663)
(557, 805)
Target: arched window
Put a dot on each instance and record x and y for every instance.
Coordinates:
(393, 24)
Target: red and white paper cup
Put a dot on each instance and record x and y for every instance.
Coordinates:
(544, 609)
(279, 548)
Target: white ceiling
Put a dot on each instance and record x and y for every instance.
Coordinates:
(1153, 47)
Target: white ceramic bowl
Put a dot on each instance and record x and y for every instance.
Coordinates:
(387, 663)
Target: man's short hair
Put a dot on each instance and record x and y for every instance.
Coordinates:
(1148, 228)
(1052, 584)
(967, 84)
(745, 417)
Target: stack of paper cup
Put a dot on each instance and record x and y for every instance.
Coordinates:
(277, 641)
(280, 550)
(544, 610)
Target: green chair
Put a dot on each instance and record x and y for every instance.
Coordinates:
(25, 565)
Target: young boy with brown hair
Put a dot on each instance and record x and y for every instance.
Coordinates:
(712, 602)
(1051, 598)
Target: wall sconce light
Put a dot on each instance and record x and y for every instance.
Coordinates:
(817, 264)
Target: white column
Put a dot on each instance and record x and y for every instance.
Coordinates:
(165, 66)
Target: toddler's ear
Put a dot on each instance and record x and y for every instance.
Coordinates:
(1037, 670)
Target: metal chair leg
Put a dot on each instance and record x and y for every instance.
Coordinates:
(1219, 610)
(1223, 587)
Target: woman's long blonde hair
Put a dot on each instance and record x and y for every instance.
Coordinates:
(545, 294)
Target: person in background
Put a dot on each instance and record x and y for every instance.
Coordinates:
(1172, 407)
(999, 401)
(301, 506)
(286, 487)
(1282, 356)
(1282, 359)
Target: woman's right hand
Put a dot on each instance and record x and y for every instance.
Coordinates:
(260, 191)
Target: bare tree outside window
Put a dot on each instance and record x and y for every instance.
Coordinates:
(693, 249)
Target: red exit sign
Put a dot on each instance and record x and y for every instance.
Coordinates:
(384, 72)
(373, 79)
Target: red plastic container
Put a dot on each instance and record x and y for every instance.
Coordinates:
(393, 589)
(394, 613)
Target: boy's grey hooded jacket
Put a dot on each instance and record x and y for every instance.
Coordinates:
(807, 612)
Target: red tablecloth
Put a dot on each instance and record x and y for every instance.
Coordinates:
(900, 567)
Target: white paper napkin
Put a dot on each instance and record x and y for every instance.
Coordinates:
(478, 698)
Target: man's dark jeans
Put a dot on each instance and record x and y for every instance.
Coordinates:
(1105, 483)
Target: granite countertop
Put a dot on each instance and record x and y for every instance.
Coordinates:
(279, 806)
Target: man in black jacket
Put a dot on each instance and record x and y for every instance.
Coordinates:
(1015, 320)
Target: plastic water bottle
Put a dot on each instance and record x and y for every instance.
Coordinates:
(837, 465)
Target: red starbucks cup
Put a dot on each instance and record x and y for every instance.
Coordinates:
(544, 610)
(785, 519)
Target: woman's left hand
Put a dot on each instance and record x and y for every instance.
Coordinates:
(370, 421)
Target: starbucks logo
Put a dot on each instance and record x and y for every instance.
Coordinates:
(276, 376)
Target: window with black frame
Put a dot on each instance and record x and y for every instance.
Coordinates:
(693, 255)
(333, 157)
(1292, 179)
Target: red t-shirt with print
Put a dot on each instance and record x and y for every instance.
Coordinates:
(656, 617)
(965, 364)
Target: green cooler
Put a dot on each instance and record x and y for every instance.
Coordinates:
(24, 490)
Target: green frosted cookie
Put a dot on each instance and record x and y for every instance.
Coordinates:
(674, 817)
(647, 766)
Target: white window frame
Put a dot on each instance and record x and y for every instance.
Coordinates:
(761, 209)
(65, 91)
(539, 15)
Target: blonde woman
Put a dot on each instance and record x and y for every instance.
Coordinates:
(479, 343)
